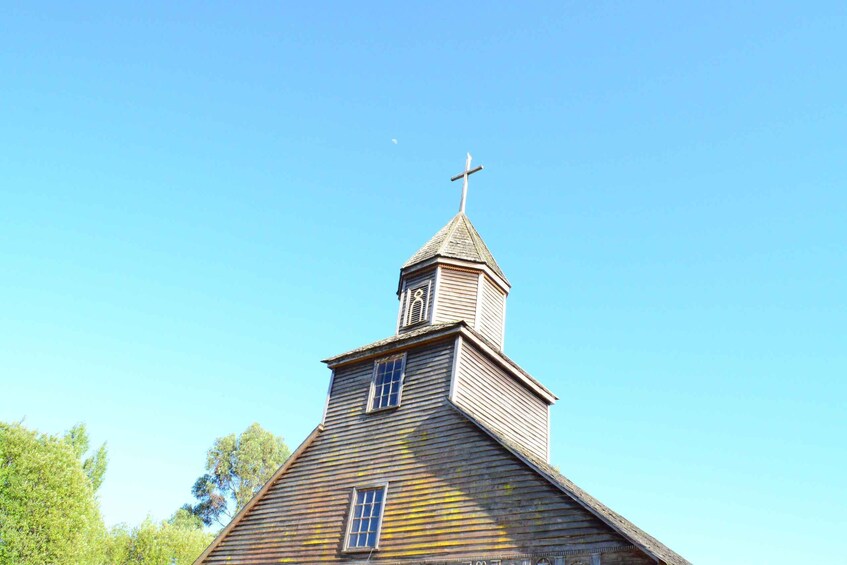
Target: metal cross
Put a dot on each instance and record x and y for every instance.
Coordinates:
(468, 172)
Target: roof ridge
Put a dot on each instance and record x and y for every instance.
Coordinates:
(450, 244)
(475, 237)
(452, 225)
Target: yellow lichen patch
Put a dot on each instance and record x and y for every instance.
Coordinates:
(320, 541)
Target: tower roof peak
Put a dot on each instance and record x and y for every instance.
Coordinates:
(457, 240)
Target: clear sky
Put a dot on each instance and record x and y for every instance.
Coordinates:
(199, 201)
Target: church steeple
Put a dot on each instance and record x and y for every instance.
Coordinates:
(458, 240)
(454, 277)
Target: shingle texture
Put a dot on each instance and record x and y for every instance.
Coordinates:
(626, 528)
(393, 340)
(457, 240)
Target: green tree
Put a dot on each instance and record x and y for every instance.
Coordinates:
(236, 468)
(48, 510)
(177, 541)
(94, 465)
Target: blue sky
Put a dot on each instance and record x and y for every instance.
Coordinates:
(198, 202)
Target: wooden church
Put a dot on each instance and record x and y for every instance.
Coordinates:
(434, 446)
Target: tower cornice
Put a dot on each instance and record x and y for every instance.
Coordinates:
(459, 263)
(435, 333)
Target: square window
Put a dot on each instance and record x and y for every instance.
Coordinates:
(365, 518)
(387, 382)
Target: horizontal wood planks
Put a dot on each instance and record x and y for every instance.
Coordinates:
(453, 491)
(625, 557)
(496, 399)
(457, 295)
(492, 310)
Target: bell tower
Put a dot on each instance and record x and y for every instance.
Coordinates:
(454, 277)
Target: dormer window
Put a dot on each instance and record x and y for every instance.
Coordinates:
(387, 382)
(417, 304)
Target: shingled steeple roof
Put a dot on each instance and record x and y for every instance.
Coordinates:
(457, 240)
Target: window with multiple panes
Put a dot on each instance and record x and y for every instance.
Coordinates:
(365, 518)
(387, 382)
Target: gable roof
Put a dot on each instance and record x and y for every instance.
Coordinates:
(641, 539)
(632, 533)
(457, 240)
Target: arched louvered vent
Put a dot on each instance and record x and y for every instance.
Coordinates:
(417, 304)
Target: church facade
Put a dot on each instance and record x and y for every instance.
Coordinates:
(433, 447)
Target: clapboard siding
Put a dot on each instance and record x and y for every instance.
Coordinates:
(453, 491)
(491, 312)
(413, 282)
(496, 399)
(457, 294)
(625, 557)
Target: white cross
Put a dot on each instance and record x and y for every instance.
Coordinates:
(467, 172)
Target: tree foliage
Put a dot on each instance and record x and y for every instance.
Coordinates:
(236, 468)
(48, 511)
(177, 541)
(94, 465)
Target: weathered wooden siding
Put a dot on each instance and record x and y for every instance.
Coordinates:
(492, 310)
(496, 399)
(624, 557)
(457, 294)
(413, 282)
(453, 493)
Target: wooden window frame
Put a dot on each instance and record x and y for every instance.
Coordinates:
(352, 506)
(372, 392)
(408, 305)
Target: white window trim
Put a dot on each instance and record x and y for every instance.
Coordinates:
(372, 390)
(367, 486)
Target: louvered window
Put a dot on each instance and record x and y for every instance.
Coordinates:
(387, 382)
(365, 518)
(417, 304)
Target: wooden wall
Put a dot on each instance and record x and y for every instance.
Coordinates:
(454, 493)
(457, 293)
(460, 294)
(627, 557)
(492, 312)
(496, 399)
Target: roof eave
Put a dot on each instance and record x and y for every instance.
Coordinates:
(258, 496)
(501, 359)
(573, 495)
(461, 327)
(402, 341)
(504, 284)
